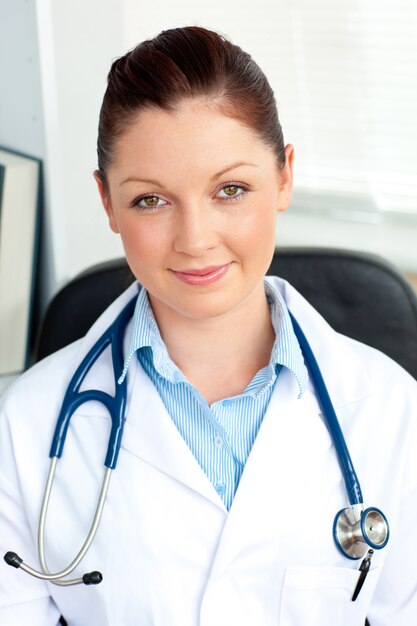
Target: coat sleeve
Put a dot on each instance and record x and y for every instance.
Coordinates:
(23, 599)
(395, 599)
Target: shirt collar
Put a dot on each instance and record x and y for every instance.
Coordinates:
(286, 351)
(145, 333)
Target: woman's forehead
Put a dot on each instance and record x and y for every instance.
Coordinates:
(194, 135)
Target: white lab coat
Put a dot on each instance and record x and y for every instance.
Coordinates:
(170, 553)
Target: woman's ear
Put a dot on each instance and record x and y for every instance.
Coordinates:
(105, 199)
(285, 180)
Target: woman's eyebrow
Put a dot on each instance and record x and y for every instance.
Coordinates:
(232, 166)
(151, 181)
(135, 179)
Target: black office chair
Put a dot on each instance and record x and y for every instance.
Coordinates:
(360, 295)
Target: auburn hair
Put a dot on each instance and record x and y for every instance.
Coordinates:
(187, 63)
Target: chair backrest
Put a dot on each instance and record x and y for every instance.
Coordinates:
(359, 294)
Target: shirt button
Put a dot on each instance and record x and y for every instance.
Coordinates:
(218, 441)
(219, 487)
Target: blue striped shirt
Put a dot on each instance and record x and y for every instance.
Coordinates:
(219, 435)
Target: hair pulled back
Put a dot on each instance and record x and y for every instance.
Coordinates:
(185, 63)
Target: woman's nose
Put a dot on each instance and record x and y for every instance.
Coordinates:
(195, 232)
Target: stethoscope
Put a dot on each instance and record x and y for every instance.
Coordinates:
(356, 530)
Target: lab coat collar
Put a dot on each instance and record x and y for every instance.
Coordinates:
(106, 319)
(333, 351)
(329, 347)
(151, 435)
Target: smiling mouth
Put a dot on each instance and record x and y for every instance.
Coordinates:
(203, 276)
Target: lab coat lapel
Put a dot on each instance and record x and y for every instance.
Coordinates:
(151, 435)
(260, 508)
(293, 448)
(149, 431)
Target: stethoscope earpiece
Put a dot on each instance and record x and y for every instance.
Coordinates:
(92, 578)
(356, 531)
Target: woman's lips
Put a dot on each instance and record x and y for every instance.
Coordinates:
(203, 276)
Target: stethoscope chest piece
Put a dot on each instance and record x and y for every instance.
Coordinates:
(355, 536)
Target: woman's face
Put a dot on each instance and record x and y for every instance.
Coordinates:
(194, 195)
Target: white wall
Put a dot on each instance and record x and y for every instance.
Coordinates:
(54, 58)
(79, 39)
(21, 115)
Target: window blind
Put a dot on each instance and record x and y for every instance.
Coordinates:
(345, 78)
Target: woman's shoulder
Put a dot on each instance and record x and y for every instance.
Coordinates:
(41, 382)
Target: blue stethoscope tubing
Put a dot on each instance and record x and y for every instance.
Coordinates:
(353, 530)
(116, 405)
(351, 480)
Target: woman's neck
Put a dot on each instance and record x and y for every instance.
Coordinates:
(220, 355)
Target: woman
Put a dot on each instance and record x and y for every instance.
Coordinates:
(222, 505)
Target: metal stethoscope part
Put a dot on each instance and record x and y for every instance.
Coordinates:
(90, 578)
(355, 533)
(354, 529)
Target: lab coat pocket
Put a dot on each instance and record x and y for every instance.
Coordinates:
(322, 596)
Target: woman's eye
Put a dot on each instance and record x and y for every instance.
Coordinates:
(231, 192)
(149, 202)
